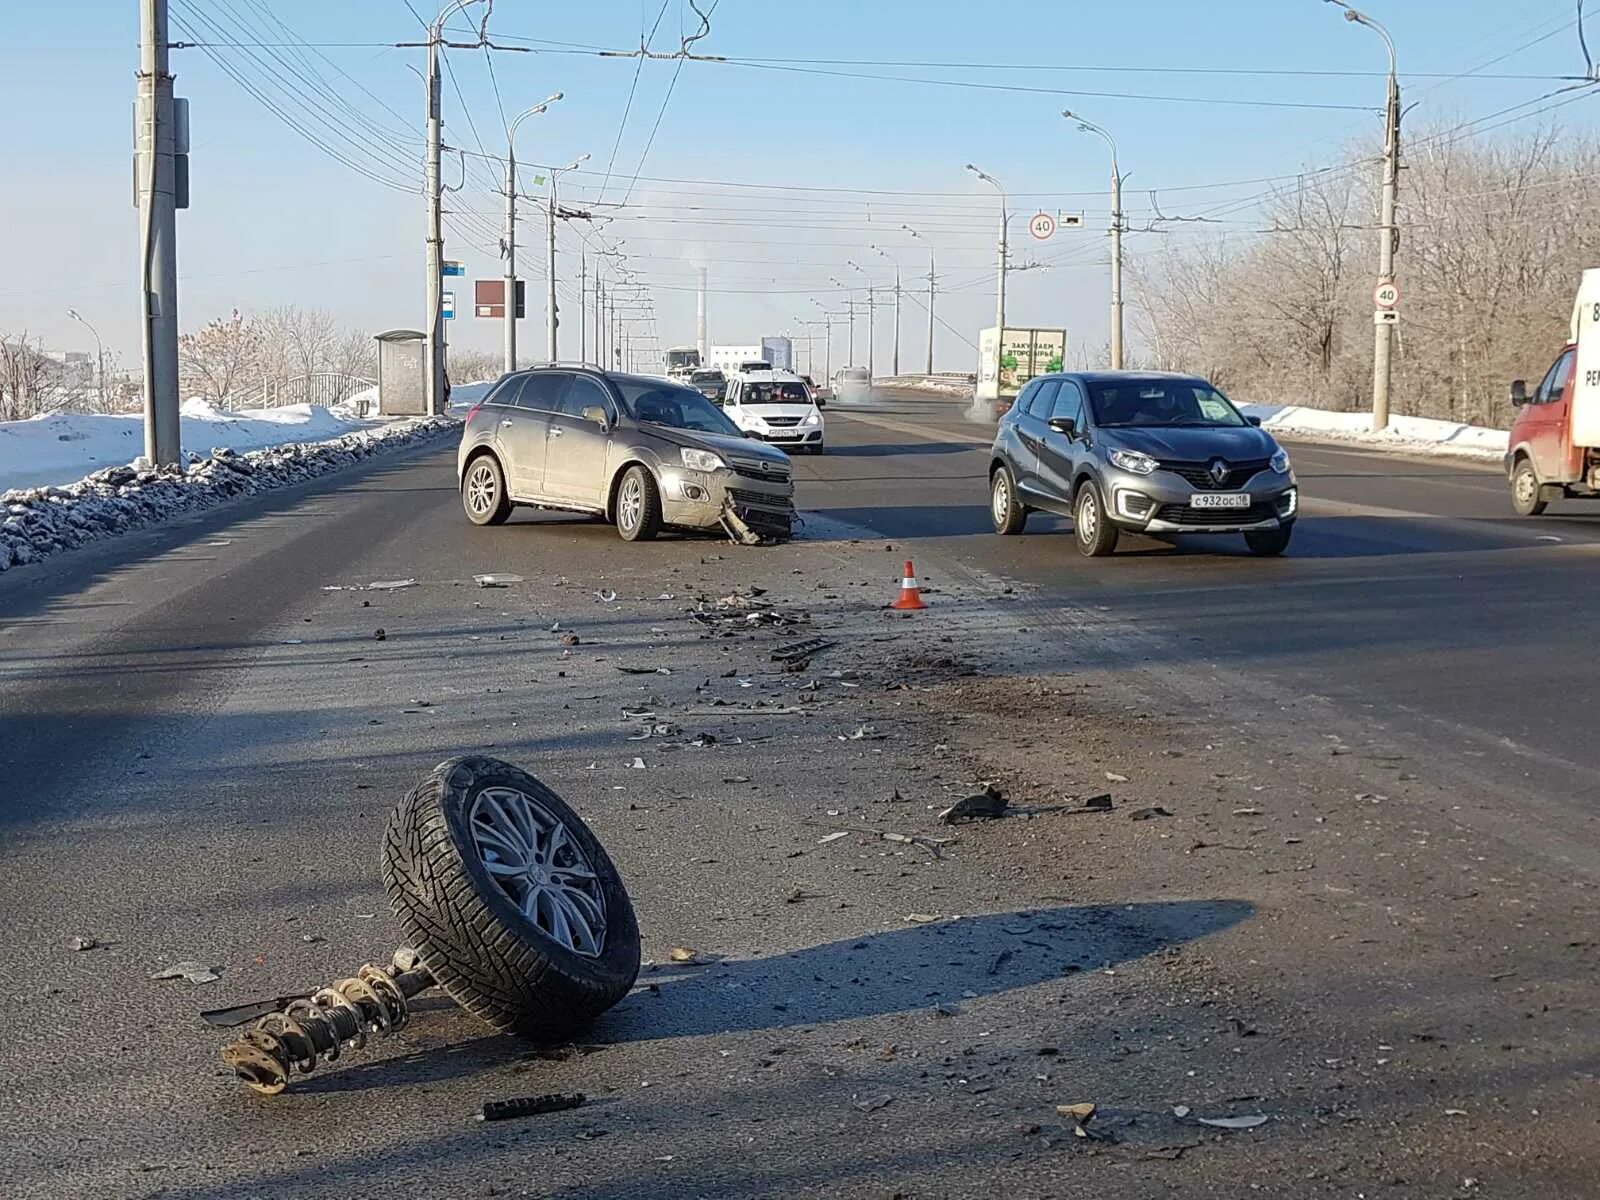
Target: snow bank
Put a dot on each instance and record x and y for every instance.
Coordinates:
(1412, 435)
(959, 386)
(37, 522)
(62, 447)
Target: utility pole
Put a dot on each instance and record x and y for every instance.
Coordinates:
(920, 238)
(158, 238)
(1000, 270)
(700, 341)
(551, 320)
(872, 310)
(1089, 126)
(510, 249)
(896, 263)
(583, 306)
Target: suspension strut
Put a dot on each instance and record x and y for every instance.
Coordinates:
(319, 1027)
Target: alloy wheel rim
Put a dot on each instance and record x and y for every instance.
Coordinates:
(538, 865)
(632, 503)
(481, 489)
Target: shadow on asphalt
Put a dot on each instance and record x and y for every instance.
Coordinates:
(951, 963)
(895, 450)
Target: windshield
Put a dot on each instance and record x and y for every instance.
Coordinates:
(683, 358)
(652, 402)
(854, 375)
(1142, 403)
(707, 377)
(775, 393)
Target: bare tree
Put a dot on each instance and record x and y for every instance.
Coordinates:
(216, 360)
(29, 380)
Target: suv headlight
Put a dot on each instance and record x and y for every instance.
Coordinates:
(1280, 462)
(1132, 460)
(701, 460)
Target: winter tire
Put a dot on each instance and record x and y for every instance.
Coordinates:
(638, 505)
(1004, 508)
(1527, 497)
(512, 903)
(1265, 543)
(483, 492)
(1091, 528)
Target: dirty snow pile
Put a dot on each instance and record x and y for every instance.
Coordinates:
(960, 386)
(37, 522)
(1411, 435)
(63, 447)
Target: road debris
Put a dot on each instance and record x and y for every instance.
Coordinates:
(922, 918)
(571, 639)
(249, 1010)
(606, 596)
(530, 1106)
(193, 972)
(933, 845)
(81, 943)
(496, 581)
(796, 654)
(833, 837)
(1080, 1115)
(986, 805)
(1098, 803)
(873, 1103)
(682, 954)
(1249, 1122)
(865, 733)
(1115, 777)
(1148, 814)
(1181, 1111)
(380, 634)
(390, 585)
(626, 670)
(637, 764)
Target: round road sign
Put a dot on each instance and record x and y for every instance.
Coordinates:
(1386, 295)
(1042, 225)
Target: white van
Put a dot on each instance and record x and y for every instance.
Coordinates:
(777, 407)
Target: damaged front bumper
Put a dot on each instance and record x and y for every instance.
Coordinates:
(757, 495)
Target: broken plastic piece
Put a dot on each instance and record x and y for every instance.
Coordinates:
(496, 581)
(529, 1106)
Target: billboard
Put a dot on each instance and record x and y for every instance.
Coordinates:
(1009, 357)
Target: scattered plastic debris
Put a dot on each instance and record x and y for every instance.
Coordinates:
(682, 954)
(1147, 814)
(988, 804)
(390, 585)
(81, 943)
(1249, 1122)
(1098, 803)
(194, 972)
(496, 581)
(873, 1103)
(833, 837)
(606, 596)
(1114, 777)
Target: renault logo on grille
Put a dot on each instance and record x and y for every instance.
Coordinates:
(1219, 470)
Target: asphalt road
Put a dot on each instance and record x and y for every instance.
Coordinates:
(1411, 596)
(201, 736)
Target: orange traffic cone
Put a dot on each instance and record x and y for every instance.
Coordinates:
(910, 597)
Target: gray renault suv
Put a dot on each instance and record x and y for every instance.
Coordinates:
(1146, 452)
(644, 453)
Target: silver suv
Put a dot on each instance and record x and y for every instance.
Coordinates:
(644, 453)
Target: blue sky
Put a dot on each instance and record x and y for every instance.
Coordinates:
(276, 220)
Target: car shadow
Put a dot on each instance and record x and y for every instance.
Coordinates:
(941, 965)
(900, 449)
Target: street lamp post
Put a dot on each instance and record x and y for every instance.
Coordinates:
(920, 238)
(872, 311)
(551, 320)
(1089, 126)
(510, 248)
(99, 357)
(1000, 280)
(1383, 331)
(827, 341)
(850, 313)
(891, 258)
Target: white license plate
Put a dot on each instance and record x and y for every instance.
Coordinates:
(1219, 500)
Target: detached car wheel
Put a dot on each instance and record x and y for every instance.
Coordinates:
(1264, 543)
(512, 903)
(483, 492)
(1007, 512)
(1091, 529)
(638, 506)
(1527, 497)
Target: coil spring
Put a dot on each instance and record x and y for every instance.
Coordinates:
(322, 1025)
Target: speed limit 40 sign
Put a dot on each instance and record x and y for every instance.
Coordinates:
(1386, 295)
(1042, 226)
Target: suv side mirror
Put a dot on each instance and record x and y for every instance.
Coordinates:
(1519, 392)
(1256, 421)
(1064, 425)
(598, 415)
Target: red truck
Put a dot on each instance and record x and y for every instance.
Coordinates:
(1554, 447)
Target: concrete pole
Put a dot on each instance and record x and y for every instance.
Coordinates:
(158, 240)
(583, 306)
(551, 319)
(930, 311)
(511, 258)
(434, 352)
(700, 340)
(850, 308)
(872, 308)
(897, 320)
(1116, 263)
(1383, 335)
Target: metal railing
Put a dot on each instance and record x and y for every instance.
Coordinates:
(321, 389)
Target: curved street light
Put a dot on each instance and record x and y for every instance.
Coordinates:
(1088, 126)
(508, 248)
(1000, 272)
(929, 244)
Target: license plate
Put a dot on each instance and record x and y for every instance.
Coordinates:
(1219, 500)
